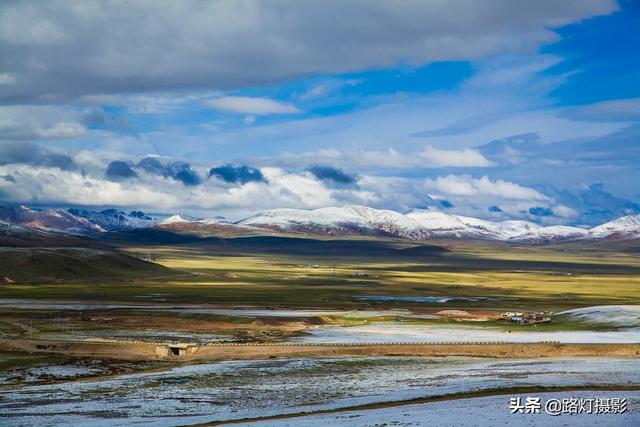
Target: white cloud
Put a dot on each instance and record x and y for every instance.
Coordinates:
(454, 158)
(315, 92)
(466, 185)
(378, 159)
(468, 195)
(254, 106)
(565, 212)
(63, 130)
(28, 129)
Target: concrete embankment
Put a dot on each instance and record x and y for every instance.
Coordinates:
(135, 350)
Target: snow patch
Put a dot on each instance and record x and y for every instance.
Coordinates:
(618, 315)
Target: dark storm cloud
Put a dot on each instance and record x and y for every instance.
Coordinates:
(328, 173)
(30, 153)
(540, 211)
(180, 171)
(183, 172)
(64, 49)
(118, 169)
(152, 165)
(237, 174)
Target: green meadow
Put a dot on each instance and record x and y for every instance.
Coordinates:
(310, 273)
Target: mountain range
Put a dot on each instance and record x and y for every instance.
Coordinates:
(415, 224)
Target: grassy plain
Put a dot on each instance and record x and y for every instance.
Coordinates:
(277, 272)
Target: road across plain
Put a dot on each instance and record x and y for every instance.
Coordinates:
(138, 350)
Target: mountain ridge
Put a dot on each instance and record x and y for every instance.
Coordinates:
(414, 224)
(418, 224)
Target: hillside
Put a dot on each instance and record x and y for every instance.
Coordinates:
(51, 264)
(18, 236)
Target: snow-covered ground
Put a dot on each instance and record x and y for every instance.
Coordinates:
(239, 389)
(617, 315)
(391, 332)
(439, 300)
(481, 411)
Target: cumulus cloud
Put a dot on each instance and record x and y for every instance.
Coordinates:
(254, 190)
(237, 174)
(279, 189)
(230, 44)
(119, 169)
(248, 105)
(179, 171)
(183, 172)
(496, 199)
(152, 165)
(328, 173)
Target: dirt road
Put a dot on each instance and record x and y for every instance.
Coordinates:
(190, 352)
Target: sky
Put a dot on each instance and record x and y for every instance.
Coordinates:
(487, 108)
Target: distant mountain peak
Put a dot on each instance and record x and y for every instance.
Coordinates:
(113, 219)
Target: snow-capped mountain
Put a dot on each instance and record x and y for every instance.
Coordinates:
(625, 227)
(442, 225)
(180, 218)
(333, 220)
(48, 219)
(113, 219)
(415, 224)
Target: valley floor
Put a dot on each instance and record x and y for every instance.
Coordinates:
(324, 300)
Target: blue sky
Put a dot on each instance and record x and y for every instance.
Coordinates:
(489, 109)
